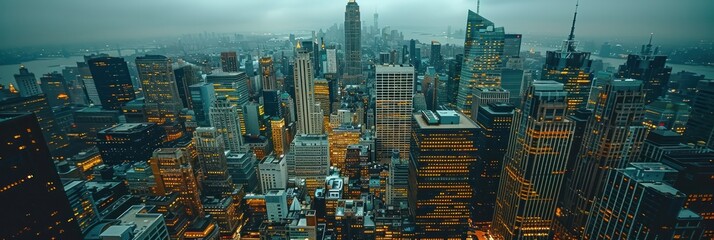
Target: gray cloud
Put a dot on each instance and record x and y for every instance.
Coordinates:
(35, 22)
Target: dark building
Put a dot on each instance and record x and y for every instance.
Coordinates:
(353, 44)
(34, 202)
(613, 138)
(38, 105)
(27, 83)
(267, 74)
(112, 81)
(494, 121)
(54, 87)
(512, 45)
(650, 68)
(700, 127)
(271, 103)
(436, 59)
(229, 61)
(89, 121)
(442, 176)
(454, 73)
(129, 142)
(696, 178)
(186, 76)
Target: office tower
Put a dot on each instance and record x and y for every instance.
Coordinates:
(613, 138)
(511, 46)
(203, 228)
(211, 156)
(134, 111)
(140, 180)
(224, 117)
(393, 112)
(699, 126)
(571, 68)
(202, 96)
(136, 223)
(232, 85)
(276, 204)
(27, 83)
(85, 76)
(484, 96)
(340, 138)
(229, 61)
(309, 116)
(35, 202)
(279, 135)
(398, 185)
(271, 103)
(241, 167)
(494, 121)
(664, 112)
(129, 142)
(443, 155)
(161, 98)
(534, 164)
(38, 105)
(661, 142)
(309, 159)
(321, 92)
(483, 51)
(267, 74)
(248, 67)
(453, 71)
(696, 176)
(353, 220)
(331, 63)
(637, 202)
(54, 88)
(435, 59)
(353, 45)
(649, 67)
(223, 210)
(173, 173)
(358, 160)
(75, 86)
(253, 114)
(273, 172)
(112, 82)
(186, 75)
(82, 204)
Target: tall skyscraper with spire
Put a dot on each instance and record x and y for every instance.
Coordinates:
(571, 68)
(353, 44)
(309, 115)
(649, 67)
(613, 139)
(483, 50)
(534, 165)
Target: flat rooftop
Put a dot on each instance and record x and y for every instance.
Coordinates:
(464, 122)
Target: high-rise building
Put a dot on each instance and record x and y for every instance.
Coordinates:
(173, 173)
(161, 97)
(435, 59)
(85, 76)
(253, 115)
(664, 112)
(38, 105)
(278, 133)
(353, 44)
(494, 121)
(27, 83)
(443, 155)
(511, 46)
(393, 112)
(276, 204)
(398, 183)
(54, 88)
(202, 96)
(112, 81)
(77, 92)
(129, 142)
(273, 172)
(614, 136)
(138, 224)
(534, 164)
(331, 62)
(224, 117)
(483, 51)
(322, 95)
(696, 176)
(34, 200)
(340, 138)
(186, 75)
(309, 159)
(649, 67)
(309, 116)
(638, 202)
(484, 96)
(242, 167)
(233, 85)
(699, 126)
(229, 61)
(267, 74)
(211, 156)
(571, 68)
(83, 205)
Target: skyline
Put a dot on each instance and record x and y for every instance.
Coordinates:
(77, 21)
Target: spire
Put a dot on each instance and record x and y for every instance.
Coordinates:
(571, 38)
(647, 49)
(478, 6)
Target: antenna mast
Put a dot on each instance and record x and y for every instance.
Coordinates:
(478, 6)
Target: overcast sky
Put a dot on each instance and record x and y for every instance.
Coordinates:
(40, 22)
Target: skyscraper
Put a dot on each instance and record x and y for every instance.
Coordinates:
(395, 92)
(27, 83)
(129, 142)
(53, 86)
(534, 165)
(309, 115)
(161, 98)
(211, 156)
(483, 51)
(353, 44)
(494, 121)
(613, 138)
(267, 74)
(309, 159)
(699, 126)
(571, 68)
(229, 61)
(186, 75)
(225, 119)
(38, 105)
(112, 81)
(483, 96)
(649, 67)
(173, 173)
(273, 172)
(398, 182)
(435, 59)
(202, 97)
(696, 176)
(443, 155)
(35, 204)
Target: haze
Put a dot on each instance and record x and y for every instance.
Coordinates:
(49, 22)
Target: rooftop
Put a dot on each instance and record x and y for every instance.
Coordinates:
(464, 122)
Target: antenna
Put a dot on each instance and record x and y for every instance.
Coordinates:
(575, 16)
(478, 6)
